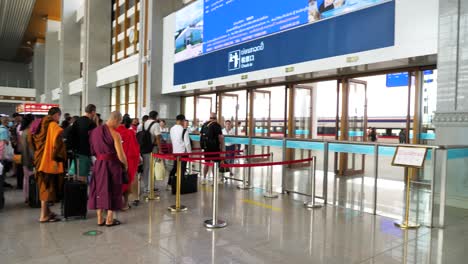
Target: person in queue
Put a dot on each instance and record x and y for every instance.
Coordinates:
(105, 190)
(132, 152)
(228, 130)
(135, 123)
(15, 126)
(162, 125)
(27, 153)
(153, 126)
(180, 144)
(49, 156)
(17, 169)
(79, 141)
(67, 120)
(143, 120)
(4, 142)
(211, 140)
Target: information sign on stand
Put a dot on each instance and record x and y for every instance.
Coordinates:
(411, 158)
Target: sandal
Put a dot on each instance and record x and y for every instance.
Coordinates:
(102, 224)
(53, 215)
(128, 207)
(115, 222)
(51, 219)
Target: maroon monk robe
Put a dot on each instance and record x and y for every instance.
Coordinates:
(105, 189)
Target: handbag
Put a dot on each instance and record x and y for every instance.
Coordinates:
(159, 170)
(8, 152)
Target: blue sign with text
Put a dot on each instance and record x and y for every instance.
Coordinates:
(362, 30)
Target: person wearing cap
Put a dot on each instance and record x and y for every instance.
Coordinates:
(180, 144)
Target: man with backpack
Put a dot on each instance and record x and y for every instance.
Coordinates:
(149, 138)
(211, 140)
(78, 139)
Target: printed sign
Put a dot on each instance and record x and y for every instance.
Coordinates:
(409, 157)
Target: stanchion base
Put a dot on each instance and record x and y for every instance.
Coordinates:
(244, 187)
(218, 224)
(174, 208)
(270, 195)
(405, 226)
(156, 198)
(311, 205)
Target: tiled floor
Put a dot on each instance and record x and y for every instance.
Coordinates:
(260, 230)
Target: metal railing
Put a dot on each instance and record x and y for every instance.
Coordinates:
(438, 157)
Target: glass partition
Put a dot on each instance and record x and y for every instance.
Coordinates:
(451, 188)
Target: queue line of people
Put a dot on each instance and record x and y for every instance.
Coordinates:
(105, 155)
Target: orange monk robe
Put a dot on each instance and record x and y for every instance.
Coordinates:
(49, 155)
(51, 162)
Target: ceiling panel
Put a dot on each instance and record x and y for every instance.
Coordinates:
(14, 19)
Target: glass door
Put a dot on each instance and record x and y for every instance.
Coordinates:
(261, 113)
(203, 108)
(302, 116)
(353, 124)
(229, 109)
(260, 117)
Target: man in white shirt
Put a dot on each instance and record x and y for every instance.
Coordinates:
(229, 131)
(180, 144)
(153, 125)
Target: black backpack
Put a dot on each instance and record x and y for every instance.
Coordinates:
(205, 140)
(144, 139)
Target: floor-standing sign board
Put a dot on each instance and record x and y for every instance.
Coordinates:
(413, 158)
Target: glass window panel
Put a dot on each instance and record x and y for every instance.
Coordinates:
(113, 96)
(131, 110)
(189, 108)
(122, 95)
(132, 93)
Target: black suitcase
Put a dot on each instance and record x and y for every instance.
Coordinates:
(75, 199)
(33, 197)
(189, 184)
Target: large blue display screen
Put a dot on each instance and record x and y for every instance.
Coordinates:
(209, 25)
(363, 30)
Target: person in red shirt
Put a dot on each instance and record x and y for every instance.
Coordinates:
(132, 151)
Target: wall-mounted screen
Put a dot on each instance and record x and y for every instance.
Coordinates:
(209, 25)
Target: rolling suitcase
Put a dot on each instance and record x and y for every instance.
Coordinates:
(33, 197)
(189, 184)
(75, 197)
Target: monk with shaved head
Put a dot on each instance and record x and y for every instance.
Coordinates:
(105, 190)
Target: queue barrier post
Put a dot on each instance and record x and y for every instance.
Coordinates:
(270, 193)
(405, 224)
(178, 207)
(245, 185)
(152, 196)
(215, 222)
(312, 204)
